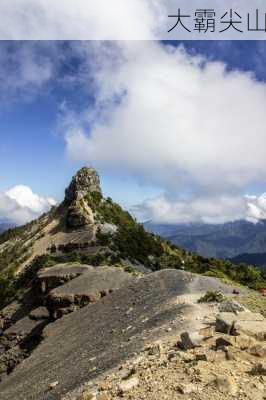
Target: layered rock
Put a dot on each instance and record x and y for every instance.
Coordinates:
(88, 288)
(84, 182)
(52, 277)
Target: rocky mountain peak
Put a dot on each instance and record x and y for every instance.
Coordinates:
(85, 181)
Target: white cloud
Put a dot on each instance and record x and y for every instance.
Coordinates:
(179, 122)
(174, 120)
(76, 19)
(20, 205)
(256, 207)
(205, 209)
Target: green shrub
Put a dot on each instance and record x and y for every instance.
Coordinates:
(7, 289)
(212, 297)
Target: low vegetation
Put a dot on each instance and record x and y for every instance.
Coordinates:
(254, 301)
(212, 297)
(129, 242)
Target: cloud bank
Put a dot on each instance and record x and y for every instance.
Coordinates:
(180, 122)
(205, 209)
(20, 205)
(79, 20)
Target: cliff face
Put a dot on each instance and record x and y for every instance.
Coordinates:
(85, 181)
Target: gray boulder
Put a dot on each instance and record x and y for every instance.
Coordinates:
(231, 306)
(248, 323)
(190, 340)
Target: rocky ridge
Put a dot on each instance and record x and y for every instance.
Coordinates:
(55, 292)
(150, 336)
(204, 364)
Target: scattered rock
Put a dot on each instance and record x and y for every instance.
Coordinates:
(255, 329)
(223, 341)
(186, 357)
(226, 385)
(129, 384)
(231, 306)
(242, 342)
(53, 385)
(88, 396)
(207, 332)
(190, 340)
(211, 356)
(103, 396)
(105, 386)
(251, 324)
(186, 388)
(258, 350)
(155, 349)
(224, 322)
(231, 354)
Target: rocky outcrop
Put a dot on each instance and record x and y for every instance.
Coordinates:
(88, 288)
(79, 214)
(251, 324)
(52, 277)
(85, 181)
(17, 342)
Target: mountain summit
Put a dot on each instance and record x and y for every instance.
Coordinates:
(85, 223)
(85, 181)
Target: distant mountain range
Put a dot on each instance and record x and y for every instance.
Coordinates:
(241, 241)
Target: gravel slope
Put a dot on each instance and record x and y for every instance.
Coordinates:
(87, 343)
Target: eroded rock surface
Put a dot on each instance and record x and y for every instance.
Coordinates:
(52, 277)
(87, 288)
(89, 342)
(86, 180)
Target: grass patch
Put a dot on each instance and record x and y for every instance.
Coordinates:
(254, 301)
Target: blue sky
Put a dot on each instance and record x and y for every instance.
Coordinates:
(40, 81)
